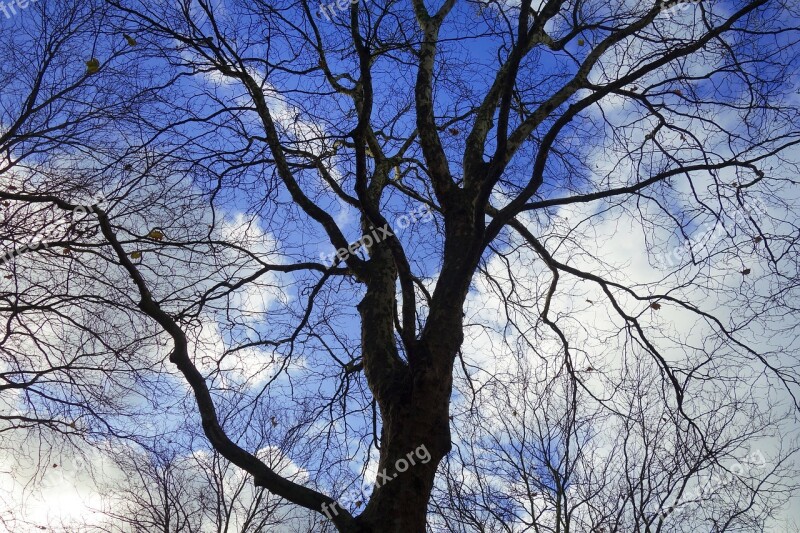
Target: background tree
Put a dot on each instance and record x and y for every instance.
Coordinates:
(513, 166)
(194, 493)
(540, 455)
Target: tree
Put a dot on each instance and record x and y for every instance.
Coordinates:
(541, 455)
(303, 203)
(57, 378)
(192, 493)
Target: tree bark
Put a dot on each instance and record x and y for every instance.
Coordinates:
(400, 504)
(413, 395)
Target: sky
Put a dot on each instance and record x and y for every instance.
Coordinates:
(615, 233)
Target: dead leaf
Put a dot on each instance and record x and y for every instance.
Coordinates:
(136, 255)
(92, 66)
(757, 240)
(155, 234)
(589, 369)
(581, 42)
(131, 40)
(655, 306)
(678, 92)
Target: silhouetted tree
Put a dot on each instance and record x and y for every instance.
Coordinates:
(317, 220)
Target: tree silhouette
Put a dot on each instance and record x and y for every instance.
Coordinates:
(557, 239)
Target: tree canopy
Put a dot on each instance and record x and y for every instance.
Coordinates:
(380, 266)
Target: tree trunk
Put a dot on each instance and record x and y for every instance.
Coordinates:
(416, 437)
(413, 397)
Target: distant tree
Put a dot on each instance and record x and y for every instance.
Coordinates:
(541, 455)
(56, 375)
(558, 240)
(194, 494)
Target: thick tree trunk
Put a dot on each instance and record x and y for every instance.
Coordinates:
(413, 396)
(416, 437)
(412, 392)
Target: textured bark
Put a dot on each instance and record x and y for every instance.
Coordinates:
(400, 505)
(413, 395)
